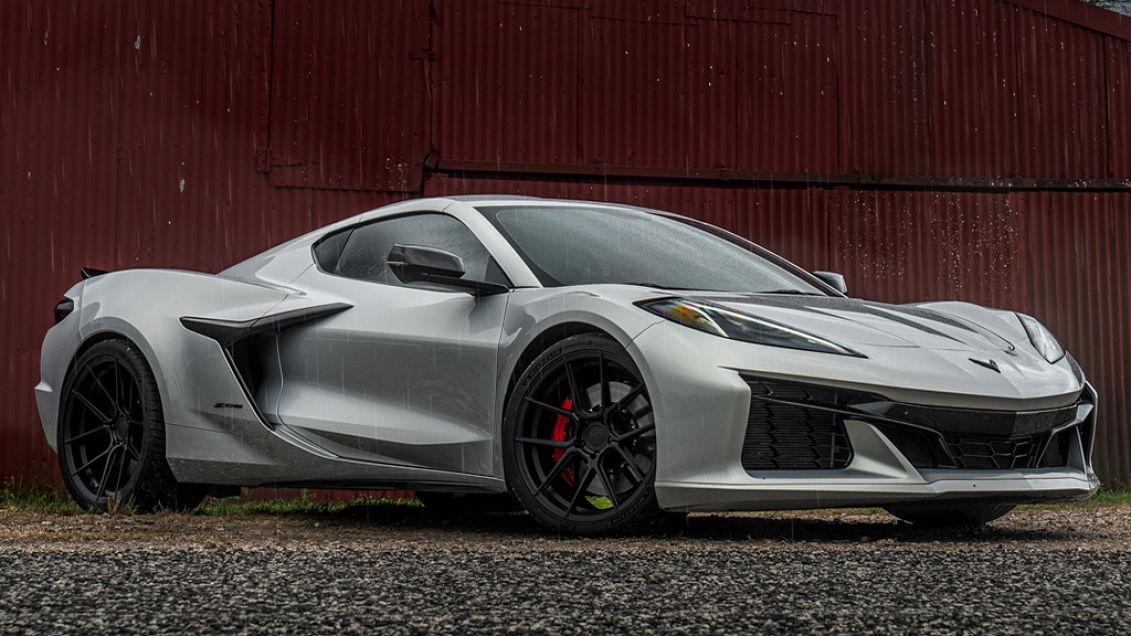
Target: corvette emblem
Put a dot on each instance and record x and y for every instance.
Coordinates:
(991, 365)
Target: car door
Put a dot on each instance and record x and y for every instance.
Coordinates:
(407, 375)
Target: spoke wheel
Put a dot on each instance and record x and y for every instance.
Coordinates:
(111, 438)
(581, 440)
(103, 432)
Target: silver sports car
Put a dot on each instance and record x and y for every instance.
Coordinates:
(606, 367)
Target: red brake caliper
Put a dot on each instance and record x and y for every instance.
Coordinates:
(563, 430)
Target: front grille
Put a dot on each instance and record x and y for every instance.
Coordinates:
(790, 436)
(994, 452)
(977, 439)
(799, 426)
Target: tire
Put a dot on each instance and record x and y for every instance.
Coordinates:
(578, 466)
(450, 503)
(949, 515)
(111, 435)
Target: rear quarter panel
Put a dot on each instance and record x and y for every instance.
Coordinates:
(59, 347)
(191, 370)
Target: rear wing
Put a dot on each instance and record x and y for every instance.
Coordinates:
(90, 272)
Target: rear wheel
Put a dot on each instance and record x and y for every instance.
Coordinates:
(579, 441)
(949, 515)
(111, 435)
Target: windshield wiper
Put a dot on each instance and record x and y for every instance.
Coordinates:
(792, 292)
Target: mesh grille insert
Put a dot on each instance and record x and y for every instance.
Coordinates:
(994, 452)
(1008, 452)
(1057, 452)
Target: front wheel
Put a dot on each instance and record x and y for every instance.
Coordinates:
(111, 437)
(949, 515)
(579, 441)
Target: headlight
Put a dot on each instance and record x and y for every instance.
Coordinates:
(1042, 338)
(728, 323)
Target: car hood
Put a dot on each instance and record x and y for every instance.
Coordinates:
(851, 321)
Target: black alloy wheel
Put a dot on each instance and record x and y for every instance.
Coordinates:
(111, 434)
(580, 441)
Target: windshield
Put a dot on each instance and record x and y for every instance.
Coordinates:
(588, 245)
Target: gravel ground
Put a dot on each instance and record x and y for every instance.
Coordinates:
(404, 571)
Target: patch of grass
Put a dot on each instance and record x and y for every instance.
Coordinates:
(1105, 497)
(305, 504)
(37, 500)
(49, 501)
(1109, 497)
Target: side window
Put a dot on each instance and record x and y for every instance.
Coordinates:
(366, 248)
(328, 250)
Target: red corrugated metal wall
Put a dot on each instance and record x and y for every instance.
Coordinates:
(928, 149)
(1080, 285)
(334, 122)
(883, 69)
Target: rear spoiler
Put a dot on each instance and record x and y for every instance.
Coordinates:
(90, 272)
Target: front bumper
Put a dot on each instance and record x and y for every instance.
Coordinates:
(703, 407)
(878, 475)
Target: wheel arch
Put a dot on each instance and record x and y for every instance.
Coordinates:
(545, 339)
(513, 365)
(92, 340)
(113, 328)
(134, 339)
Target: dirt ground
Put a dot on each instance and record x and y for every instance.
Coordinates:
(401, 570)
(391, 528)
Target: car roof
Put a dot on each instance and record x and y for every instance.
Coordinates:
(485, 200)
(474, 201)
(494, 200)
(477, 198)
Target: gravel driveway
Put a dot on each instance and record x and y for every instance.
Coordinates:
(398, 570)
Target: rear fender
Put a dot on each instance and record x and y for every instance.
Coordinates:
(197, 386)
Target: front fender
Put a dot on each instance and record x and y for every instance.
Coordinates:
(534, 312)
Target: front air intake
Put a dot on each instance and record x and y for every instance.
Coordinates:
(786, 435)
(1001, 453)
(796, 426)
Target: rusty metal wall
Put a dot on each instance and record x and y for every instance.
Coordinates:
(130, 136)
(974, 88)
(1119, 106)
(60, 93)
(908, 143)
(922, 92)
(914, 246)
(1062, 102)
(349, 95)
(883, 71)
(1080, 284)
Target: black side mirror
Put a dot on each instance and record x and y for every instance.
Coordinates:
(834, 280)
(414, 264)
